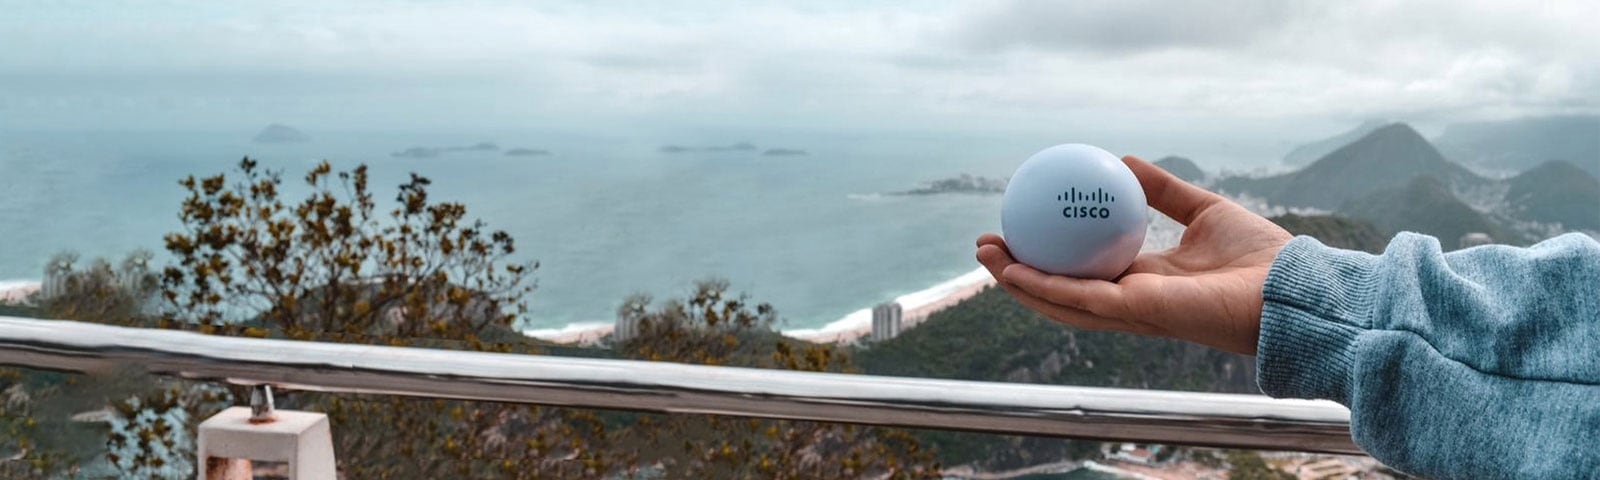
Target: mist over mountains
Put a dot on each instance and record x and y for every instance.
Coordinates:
(1387, 157)
(1311, 152)
(1396, 180)
(1523, 143)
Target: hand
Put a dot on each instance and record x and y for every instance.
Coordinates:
(1207, 290)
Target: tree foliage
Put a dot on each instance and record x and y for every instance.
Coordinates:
(712, 327)
(331, 268)
(118, 295)
(331, 264)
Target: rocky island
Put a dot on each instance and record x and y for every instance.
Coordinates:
(279, 133)
(966, 183)
(526, 152)
(431, 152)
(785, 152)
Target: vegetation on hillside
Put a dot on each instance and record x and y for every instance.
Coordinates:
(714, 327)
(1425, 205)
(1336, 231)
(991, 337)
(1557, 192)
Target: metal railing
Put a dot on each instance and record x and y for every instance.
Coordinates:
(1144, 416)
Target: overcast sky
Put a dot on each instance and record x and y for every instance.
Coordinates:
(988, 66)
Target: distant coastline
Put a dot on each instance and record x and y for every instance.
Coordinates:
(917, 306)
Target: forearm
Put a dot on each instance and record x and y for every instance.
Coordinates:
(1472, 364)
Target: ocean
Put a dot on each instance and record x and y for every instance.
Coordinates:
(818, 236)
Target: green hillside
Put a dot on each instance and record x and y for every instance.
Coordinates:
(992, 337)
(1425, 205)
(1557, 192)
(1523, 143)
(1336, 231)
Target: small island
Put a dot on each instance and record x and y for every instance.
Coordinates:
(527, 152)
(279, 133)
(785, 152)
(737, 147)
(966, 183)
(416, 152)
(432, 152)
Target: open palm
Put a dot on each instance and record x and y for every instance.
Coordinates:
(1206, 290)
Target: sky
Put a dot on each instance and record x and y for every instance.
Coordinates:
(1267, 68)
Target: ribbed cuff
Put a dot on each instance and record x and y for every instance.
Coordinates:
(1316, 301)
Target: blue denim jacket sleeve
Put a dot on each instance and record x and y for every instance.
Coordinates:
(1479, 363)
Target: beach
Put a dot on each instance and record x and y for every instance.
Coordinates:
(916, 307)
(16, 291)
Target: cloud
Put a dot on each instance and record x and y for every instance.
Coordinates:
(1112, 26)
(1002, 67)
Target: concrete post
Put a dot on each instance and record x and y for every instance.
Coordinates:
(228, 440)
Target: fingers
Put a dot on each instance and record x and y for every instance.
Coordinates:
(995, 259)
(991, 239)
(1169, 194)
(1075, 318)
(1094, 296)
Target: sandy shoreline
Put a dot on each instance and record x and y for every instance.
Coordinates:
(912, 315)
(15, 292)
(918, 306)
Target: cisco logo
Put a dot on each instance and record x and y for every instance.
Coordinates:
(1075, 200)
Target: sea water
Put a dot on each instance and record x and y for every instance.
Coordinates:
(819, 236)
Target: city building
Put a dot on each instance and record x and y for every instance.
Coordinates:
(886, 318)
(626, 328)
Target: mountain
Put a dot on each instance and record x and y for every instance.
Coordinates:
(1387, 157)
(1182, 167)
(1426, 205)
(1556, 192)
(1310, 152)
(1525, 142)
(1336, 231)
(279, 133)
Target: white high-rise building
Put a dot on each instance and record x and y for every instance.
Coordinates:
(626, 328)
(886, 321)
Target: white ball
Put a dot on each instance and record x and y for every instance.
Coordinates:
(1074, 210)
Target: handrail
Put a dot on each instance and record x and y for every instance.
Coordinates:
(1143, 416)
